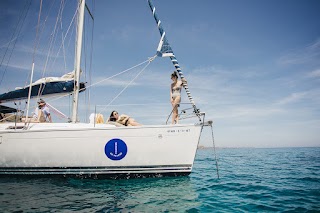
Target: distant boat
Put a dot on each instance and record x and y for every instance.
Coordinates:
(96, 150)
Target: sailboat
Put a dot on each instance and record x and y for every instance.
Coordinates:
(97, 150)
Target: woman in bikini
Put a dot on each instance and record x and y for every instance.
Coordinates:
(175, 96)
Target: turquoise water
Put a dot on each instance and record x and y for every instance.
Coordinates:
(251, 180)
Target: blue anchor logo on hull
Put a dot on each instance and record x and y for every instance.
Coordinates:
(116, 149)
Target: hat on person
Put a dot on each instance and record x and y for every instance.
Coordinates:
(41, 102)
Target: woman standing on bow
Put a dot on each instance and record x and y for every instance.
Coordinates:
(175, 96)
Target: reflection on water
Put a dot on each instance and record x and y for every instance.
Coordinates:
(137, 195)
(251, 180)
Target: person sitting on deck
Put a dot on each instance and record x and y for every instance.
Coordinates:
(42, 113)
(96, 118)
(122, 119)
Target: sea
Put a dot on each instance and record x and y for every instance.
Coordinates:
(247, 180)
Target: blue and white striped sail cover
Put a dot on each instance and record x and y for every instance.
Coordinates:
(164, 49)
(43, 89)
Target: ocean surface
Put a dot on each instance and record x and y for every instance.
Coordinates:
(251, 180)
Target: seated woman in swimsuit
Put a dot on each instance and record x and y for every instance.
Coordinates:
(175, 96)
(122, 119)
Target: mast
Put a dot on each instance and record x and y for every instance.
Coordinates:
(29, 93)
(164, 45)
(77, 63)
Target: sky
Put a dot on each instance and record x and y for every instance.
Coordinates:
(252, 66)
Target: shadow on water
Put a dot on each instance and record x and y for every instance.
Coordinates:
(148, 194)
(83, 195)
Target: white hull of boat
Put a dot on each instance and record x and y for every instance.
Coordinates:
(100, 150)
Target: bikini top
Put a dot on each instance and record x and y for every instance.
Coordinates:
(176, 89)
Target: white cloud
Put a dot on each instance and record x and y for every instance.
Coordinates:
(294, 97)
(20, 66)
(303, 55)
(102, 82)
(314, 74)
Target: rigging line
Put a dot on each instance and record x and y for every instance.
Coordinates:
(59, 17)
(15, 41)
(40, 33)
(53, 38)
(88, 52)
(61, 96)
(214, 148)
(63, 43)
(70, 37)
(42, 86)
(84, 47)
(64, 51)
(169, 116)
(63, 47)
(14, 32)
(34, 51)
(91, 55)
(119, 73)
(89, 12)
(37, 34)
(127, 86)
(120, 105)
(67, 32)
(64, 56)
